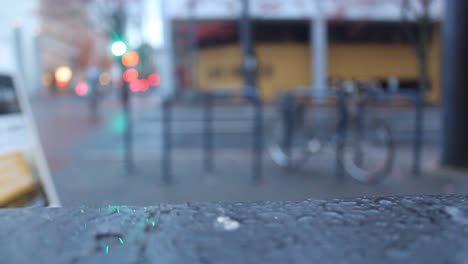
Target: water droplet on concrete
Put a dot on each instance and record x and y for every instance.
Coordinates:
(457, 215)
(333, 214)
(385, 202)
(226, 223)
(305, 219)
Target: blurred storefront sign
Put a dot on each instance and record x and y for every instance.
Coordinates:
(384, 10)
(24, 176)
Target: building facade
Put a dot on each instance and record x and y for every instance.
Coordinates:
(366, 40)
(68, 38)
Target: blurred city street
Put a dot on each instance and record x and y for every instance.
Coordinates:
(377, 64)
(246, 125)
(86, 158)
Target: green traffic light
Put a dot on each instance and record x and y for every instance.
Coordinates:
(119, 48)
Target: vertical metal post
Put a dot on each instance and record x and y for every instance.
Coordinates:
(341, 132)
(127, 137)
(249, 60)
(19, 51)
(319, 42)
(288, 109)
(37, 83)
(258, 141)
(168, 92)
(166, 159)
(120, 19)
(360, 132)
(193, 43)
(208, 133)
(455, 83)
(167, 69)
(251, 89)
(418, 134)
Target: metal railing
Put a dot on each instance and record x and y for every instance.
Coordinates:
(208, 135)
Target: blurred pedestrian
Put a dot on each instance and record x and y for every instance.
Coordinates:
(92, 75)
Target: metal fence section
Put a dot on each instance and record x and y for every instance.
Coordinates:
(209, 133)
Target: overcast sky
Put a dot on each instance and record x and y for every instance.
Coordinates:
(152, 24)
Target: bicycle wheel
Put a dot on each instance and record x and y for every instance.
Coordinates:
(369, 152)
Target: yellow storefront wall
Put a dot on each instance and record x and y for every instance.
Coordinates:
(287, 65)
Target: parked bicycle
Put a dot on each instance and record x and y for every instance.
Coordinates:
(364, 147)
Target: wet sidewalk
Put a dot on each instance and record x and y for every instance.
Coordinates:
(93, 173)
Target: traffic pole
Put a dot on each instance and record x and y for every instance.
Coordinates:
(127, 136)
(208, 132)
(166, 161)
(454, 85)
(251, 89)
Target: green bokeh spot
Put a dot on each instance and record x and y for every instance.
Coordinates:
(116, 208)
(119, 123)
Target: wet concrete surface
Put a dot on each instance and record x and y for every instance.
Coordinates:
(412, 229)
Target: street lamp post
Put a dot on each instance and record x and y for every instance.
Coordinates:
(168, 91)
(454, 82)
(251, 88)
(118, 49)
(249, 60)
(192, 5)
(167, 69)
(318, 42)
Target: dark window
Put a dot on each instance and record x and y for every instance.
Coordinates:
(8, 97)
(371, 32)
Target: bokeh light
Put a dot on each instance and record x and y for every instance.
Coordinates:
(130, 75)
(139, 86)
(104, 79)
(119, 48)
(154, 79)
(130, 59)
(81, 89)
(63, 76)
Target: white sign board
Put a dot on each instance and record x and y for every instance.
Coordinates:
(23, 168)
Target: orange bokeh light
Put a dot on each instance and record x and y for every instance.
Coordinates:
(130, 59)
